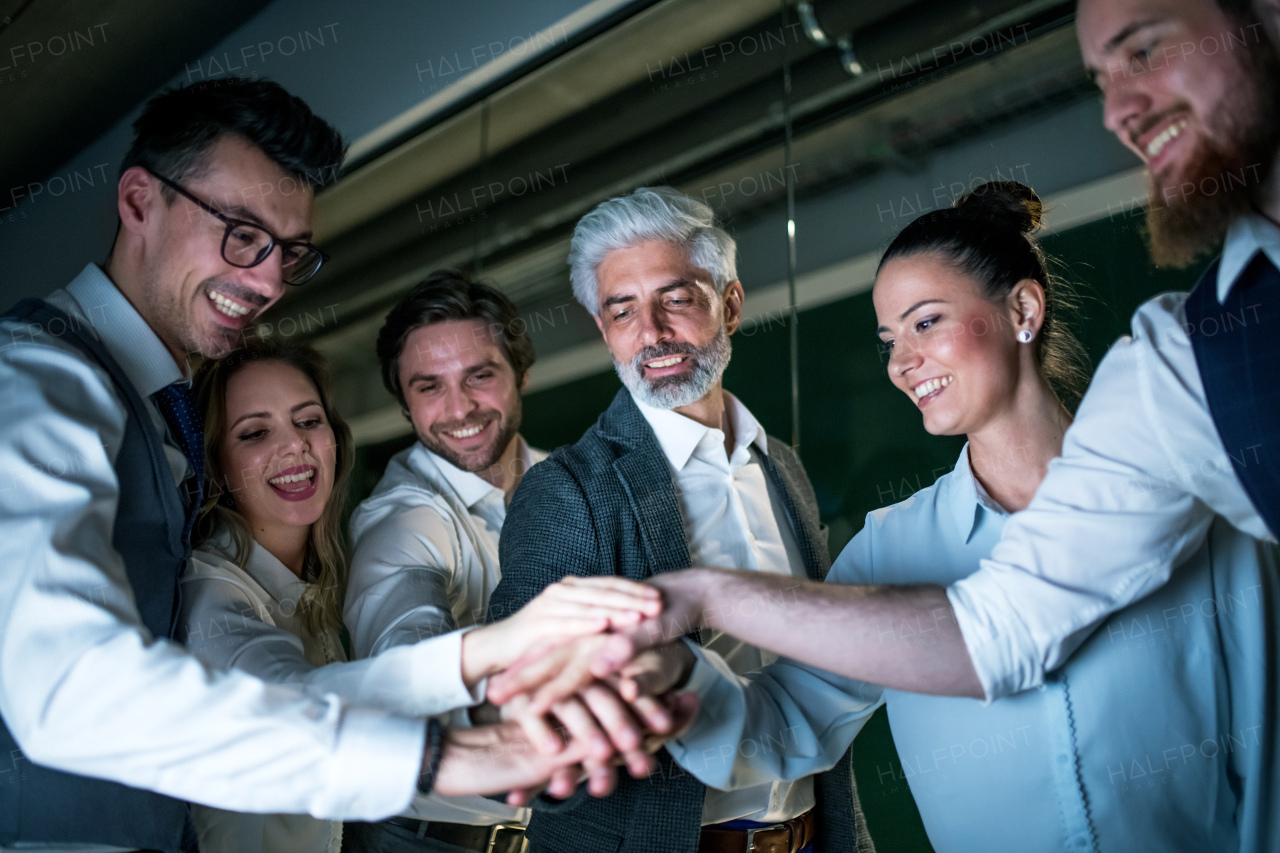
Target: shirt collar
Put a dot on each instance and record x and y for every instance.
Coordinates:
(268, 572)
(472, 488)
(680, 436)
(969, 500)
(130, 340)
(274, 576)
(1247, 236)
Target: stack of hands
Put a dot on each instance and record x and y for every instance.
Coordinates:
(596, 688)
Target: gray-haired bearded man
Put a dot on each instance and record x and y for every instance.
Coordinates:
(677, 472)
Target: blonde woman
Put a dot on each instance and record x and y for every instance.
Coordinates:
(263, 589)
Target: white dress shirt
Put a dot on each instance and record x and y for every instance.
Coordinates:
(424, 562)
(1142, 474)
(84, 687)
(733, 516)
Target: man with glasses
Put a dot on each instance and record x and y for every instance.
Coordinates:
(105, 724)
(248, 243)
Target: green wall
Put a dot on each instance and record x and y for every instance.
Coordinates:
(861, 439)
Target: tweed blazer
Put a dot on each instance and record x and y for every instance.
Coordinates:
(607, 505)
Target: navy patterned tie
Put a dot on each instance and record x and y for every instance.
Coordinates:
(178, 406)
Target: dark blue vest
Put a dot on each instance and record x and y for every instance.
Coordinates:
(50, 806)
(1237, 348)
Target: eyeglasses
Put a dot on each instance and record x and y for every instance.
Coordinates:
(247, 244)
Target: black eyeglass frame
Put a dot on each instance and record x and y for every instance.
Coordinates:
(232, 223)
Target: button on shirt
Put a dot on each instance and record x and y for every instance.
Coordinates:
(83, 687)
(424, 563)
(733, 516)
(1140, 742)
(1142, 474)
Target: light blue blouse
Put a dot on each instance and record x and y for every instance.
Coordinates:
(1154, 736)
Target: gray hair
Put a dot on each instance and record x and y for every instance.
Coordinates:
(649, 213)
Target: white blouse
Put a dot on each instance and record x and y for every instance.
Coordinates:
(247, 619)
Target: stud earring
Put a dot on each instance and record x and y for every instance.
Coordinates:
(1025, 336)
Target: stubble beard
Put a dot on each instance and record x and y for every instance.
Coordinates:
(484, 458)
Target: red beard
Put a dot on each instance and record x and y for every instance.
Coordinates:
(1189, 216)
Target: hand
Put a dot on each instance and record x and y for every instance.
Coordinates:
(493, 759)
(613, 715)
(655, 671)
(573, 606)
(685, 609)
(682, 708)
(556, 670)
(598, 718)
(560, 669)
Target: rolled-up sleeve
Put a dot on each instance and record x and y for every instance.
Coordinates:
(1116, 513)
(86, 689)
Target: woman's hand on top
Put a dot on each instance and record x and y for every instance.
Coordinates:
(571, 607)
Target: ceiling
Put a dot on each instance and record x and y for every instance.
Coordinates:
(661, 98)
(69, 69)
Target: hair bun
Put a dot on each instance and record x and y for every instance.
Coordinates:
(1007, 201)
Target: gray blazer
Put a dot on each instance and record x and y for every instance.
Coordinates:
(607, 506)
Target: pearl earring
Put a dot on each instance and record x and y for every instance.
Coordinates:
(1025, 336)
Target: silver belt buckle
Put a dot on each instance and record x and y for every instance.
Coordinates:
(498, 827)
(751, 835)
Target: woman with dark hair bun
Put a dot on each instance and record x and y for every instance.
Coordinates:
(987, 236)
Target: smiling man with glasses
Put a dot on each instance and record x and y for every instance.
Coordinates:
(106, 725)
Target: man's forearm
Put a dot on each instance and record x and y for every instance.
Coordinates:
(902, 637)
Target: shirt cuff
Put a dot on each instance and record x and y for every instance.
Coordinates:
(377, 761)
(436, 672)
(704, 676)
(990, 646)
(719, 722)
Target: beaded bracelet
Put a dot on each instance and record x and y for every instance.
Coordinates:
(433, 753)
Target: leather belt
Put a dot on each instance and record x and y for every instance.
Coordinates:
(499, 838)
(787, 837)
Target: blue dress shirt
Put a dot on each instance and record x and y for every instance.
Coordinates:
(1135, 744)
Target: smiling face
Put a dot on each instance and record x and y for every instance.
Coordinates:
(951, 351)
(1192, 92)
(187, 292)
(278, 450)
(666, 327)
(461, 392)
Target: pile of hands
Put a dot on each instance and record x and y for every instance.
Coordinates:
(590, 684)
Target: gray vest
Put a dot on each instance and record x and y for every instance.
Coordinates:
(44, 805)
